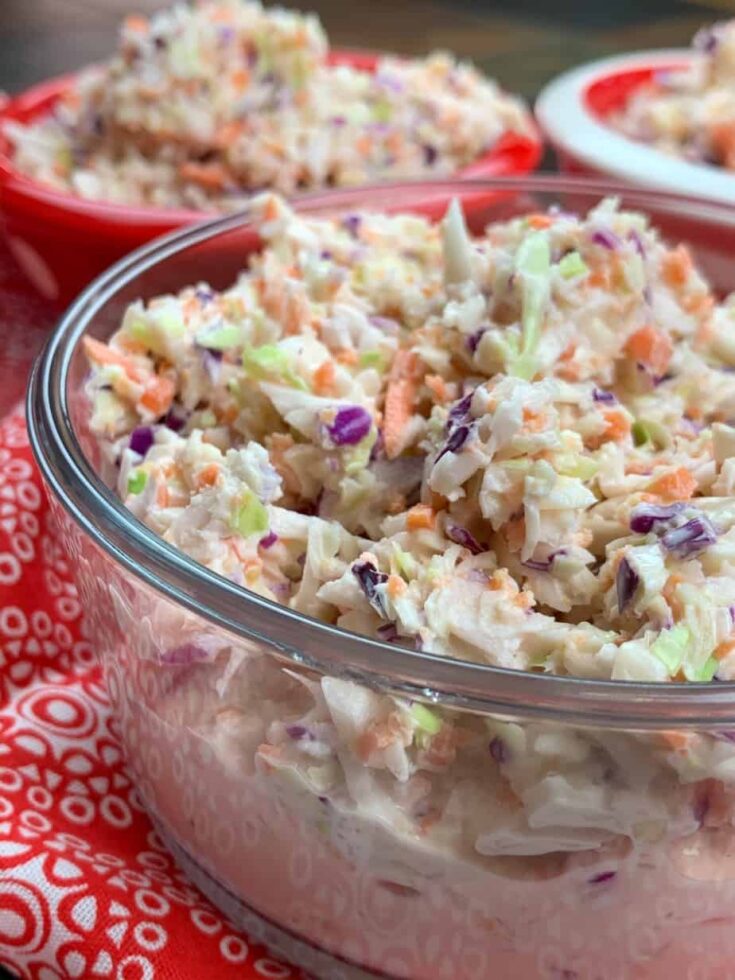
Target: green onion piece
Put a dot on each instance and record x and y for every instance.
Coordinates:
(426, 720)
(269, 362)
(137, 481)
(371, 358)
(671, 647)
(250, 517)
(572, 265)
(221, 338)
(641, 435)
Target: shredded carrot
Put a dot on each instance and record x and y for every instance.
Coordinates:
(162, 497)
(437, 386)
(723, 139)
(229, 133)
(600, 277)
(396, 586)
(419, 517)
(617, 425)
(228, 414)
(158, 395)
(724, 649)
(240, 79)
(539, 221)
(676, 485)
(136, 23)
(322, 380)
(270, 211)
(346, 356)
(650, 347)
(207, 477)
(211, 176)
(400, 396)
(676, 740)
(221, 15)
(534, 421)
(515, 533)
(676, 267)
(102, 354)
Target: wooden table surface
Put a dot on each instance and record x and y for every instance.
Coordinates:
(523, 49)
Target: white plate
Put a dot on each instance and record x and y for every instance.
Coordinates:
(573, 129)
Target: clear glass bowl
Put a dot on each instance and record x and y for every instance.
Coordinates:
(641, 880)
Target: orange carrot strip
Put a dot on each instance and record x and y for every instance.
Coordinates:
(676, 485)
(539, 221)
(419, 517)
(211, 176)
(158, 395)
(676, 266)
(437, 386)
(102, 354)
(723, 139)
(400, 396)
(346, 356)
(137, 23)
(650, 347)
(207, 477)
(322, 380)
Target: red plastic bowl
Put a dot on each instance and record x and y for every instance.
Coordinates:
(573, 113)
(61, 241)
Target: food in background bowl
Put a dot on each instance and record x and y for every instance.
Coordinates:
(689, 112)
(203, 104)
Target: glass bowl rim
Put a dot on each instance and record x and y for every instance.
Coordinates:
(301, 640)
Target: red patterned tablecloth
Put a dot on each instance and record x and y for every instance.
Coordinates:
(86, 888)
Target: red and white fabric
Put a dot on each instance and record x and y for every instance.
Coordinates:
(86, 888)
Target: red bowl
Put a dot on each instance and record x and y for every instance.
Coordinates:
(61, 241)
(573, 112)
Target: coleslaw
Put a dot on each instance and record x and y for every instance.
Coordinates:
(512, 449)
(691, 112)
(204, 103)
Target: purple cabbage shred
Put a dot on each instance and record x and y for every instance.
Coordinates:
(645, 516)
(602, 876)
(606, 238)
(691, 538)
(187, 653)
(369, 579)
(141, 439)
(388, 632)
(352, 223)
(604, 397)
(350, 426)
(460, 535)
(268, 540)
(298, 733)
(499, 750)
(626, 583)
(473, 341)
(457, 438)
(459, 413)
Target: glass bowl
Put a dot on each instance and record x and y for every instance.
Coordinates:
(345, 871)
(62, 241)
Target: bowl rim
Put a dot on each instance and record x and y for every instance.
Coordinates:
(292, 637)
(567, 122)
(119, 217)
